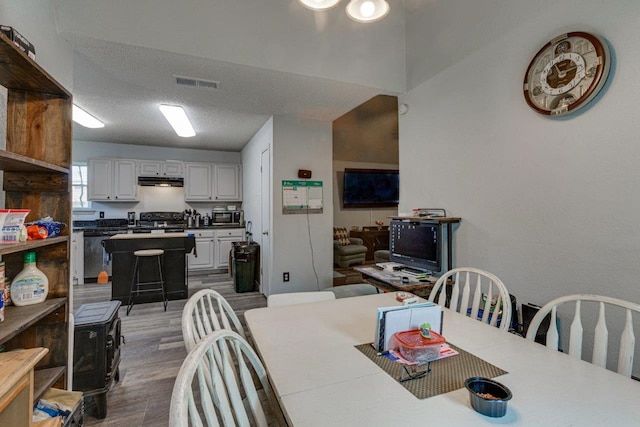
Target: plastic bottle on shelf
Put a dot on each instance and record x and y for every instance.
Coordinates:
(30, 286)
(1, 291)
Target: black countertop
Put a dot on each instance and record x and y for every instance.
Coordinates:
(142, 228)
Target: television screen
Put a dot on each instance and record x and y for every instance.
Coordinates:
(416, 244)
(367, 188)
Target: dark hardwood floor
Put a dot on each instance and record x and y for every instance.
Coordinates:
(154, 351)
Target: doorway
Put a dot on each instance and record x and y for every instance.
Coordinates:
(265, 222)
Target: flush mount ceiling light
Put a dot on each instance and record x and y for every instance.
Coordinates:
(319, 4)
(85, 119)
(359, 10)
(367, 10)
(178, 120)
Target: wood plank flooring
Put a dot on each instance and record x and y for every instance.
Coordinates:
(154, 351)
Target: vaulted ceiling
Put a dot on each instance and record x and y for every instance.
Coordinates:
(270, 58)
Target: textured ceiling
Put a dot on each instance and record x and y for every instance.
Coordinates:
(123, 85)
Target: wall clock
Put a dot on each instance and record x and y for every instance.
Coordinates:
(567, 73)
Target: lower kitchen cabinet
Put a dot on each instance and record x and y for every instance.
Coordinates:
(223, 243)
(77, 257)
(204, 249)
(213, 247)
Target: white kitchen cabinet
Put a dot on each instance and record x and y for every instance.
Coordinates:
(197, 182)
(159, 168)
(213, 182)
(205, 250)
(77, 257)
(100, 179)
(223, 244)
(172, 169)
(227, 182)
(112, 180)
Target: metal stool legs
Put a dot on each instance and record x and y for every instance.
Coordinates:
(138, 287)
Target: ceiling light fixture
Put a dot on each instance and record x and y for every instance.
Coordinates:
(367, 10)
(178, 120)
(319, 4)
(85, 119)
(359, 10)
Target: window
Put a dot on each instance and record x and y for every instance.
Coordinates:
(79, 184)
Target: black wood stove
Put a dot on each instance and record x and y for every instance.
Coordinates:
(96, 352)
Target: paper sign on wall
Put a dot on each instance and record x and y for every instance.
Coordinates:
(301, 197)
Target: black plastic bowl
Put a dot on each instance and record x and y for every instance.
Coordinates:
(486, 406)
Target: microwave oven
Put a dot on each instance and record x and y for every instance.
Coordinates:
(226, 217)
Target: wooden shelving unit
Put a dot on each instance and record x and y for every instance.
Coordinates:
(36, 165)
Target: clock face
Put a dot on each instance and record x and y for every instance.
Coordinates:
(567, 73)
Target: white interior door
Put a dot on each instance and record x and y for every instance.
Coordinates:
(265, 214)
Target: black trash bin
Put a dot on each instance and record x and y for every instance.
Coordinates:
(245, 266)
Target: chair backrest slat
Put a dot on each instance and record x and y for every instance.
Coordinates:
(473, 284)
(627, 345)
(601, 331)
(600, 340)
(575, 340)
(486, 307)
(455, 293)
(552, 333)
(466, 295)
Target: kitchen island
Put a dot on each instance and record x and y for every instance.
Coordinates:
(175, 245)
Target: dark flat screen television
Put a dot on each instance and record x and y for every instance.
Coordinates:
(416, 244)
(371, 188)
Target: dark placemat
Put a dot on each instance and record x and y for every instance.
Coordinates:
(446, 374)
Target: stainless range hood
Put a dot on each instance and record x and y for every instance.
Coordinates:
(160, 181)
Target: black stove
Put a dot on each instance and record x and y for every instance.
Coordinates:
(161, 219)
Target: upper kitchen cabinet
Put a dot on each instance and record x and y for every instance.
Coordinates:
(213, 182)
(113, 180)
(197, 182)
(227, 182)
(159, 168)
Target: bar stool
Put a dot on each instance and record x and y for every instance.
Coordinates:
(135, 280)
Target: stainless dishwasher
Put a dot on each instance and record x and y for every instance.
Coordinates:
(94, 253)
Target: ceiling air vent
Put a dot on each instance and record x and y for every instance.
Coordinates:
(193, 82)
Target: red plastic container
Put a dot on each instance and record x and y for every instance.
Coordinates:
(416, 348)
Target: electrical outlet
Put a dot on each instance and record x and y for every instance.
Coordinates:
(285, 277)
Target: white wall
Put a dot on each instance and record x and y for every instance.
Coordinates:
(302, 245)
(35, 20)
(550, 206)
(251, 182)
(361, 216)
(150, 199)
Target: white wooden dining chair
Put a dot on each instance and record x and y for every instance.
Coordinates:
(215, 386)
(488, 295)
(275, 300)
(205, 312)
(601, 332)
